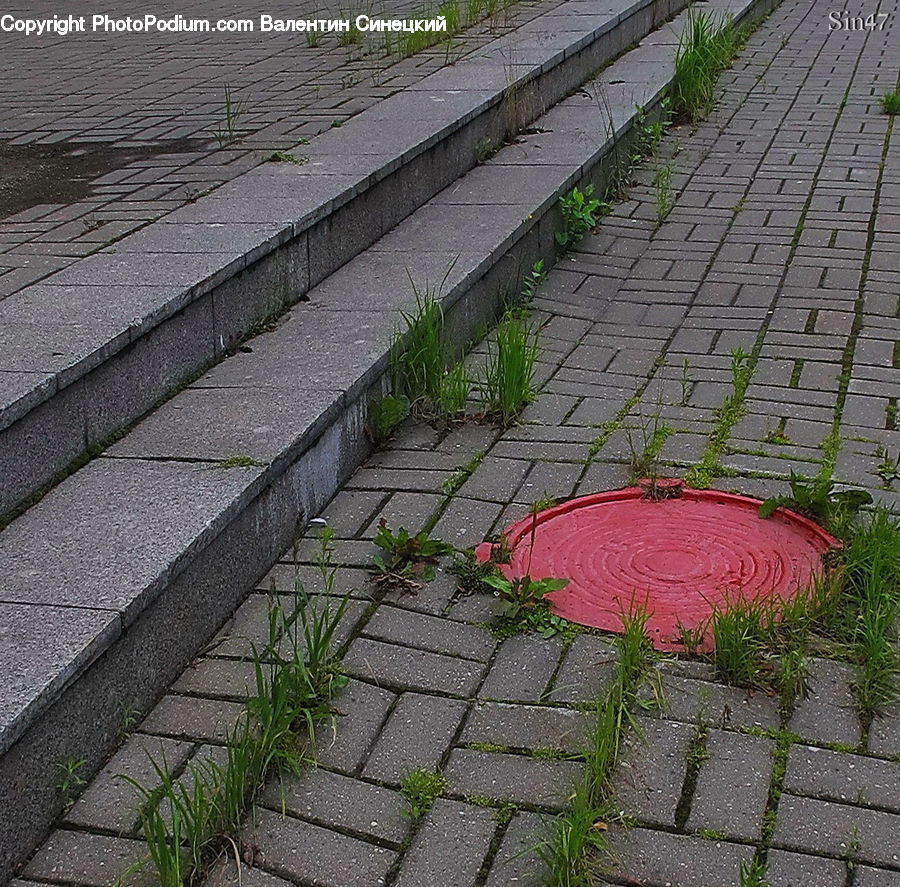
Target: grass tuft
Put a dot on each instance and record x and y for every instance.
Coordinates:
(508, 382)
(705, 48)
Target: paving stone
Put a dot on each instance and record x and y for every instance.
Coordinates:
(515, 778)
(191, 717)
(229, 678)
(405, 668)
(838, 776)
(449, 847)
(495, 479)
(685, 699)
(433, 597)
(801, 870)
(869, 877)
(829, 713)
(360, 711)
(226, 874)
(417, 735)
(526, 727)
(884, 732)
(466, 522)
(430, 633)
(86, 858)
(299, 851)
(337, 801)
(660, 859)
(838, 830)
(522, 668)
(585, 672)
(732, 785)
(515, 862)
(110, 803)
(650, 776)
(350, 511)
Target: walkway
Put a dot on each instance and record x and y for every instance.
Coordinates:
(784, 242)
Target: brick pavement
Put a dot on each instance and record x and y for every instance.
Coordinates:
(780, 243)
(137, 139)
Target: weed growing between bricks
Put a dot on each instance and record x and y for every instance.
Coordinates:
(852, 613)
(575, 846)
(188, 823)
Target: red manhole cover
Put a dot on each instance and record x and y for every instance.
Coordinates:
(681, 555)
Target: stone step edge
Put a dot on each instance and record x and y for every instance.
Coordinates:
(268, 511)
(280, 229)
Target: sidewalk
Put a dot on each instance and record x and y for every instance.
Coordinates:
(140, 135)
(783, 241)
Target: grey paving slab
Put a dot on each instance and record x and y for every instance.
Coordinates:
(515, 778)
(526, 727)
(262, 424)
(659, 858)
(41, 648)
(649, 781)
(407, 668)
(522, 668)
(838, 776)
(801, 870)
(732, 786)
(839, 830)
(829, 714)
(449, 847)
(297, 850)
(337, 801)
(417, 736)
(515, 861)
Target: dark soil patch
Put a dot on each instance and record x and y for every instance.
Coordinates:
(62, 173)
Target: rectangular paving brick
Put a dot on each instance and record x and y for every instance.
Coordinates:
(838, 776)
(526, 727)
(522, 668)
(660, 859)
(359, 711)
(732, 785)
(828, 714)
(515, 778)
(802, 870)
(585, 671)
(110, 803)
(430, 633)
(192, 717)
(405, 668)
(516, 863)
(338, 801)
(650, 775)
(85, 858)
(686, 699)
(839, 830)
(449, 847)
(417, 735)
(310, 854)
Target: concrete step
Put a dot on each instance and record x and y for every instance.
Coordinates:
(90, 349)
(114, 580)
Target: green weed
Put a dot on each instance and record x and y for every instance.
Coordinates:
(662, 183)
(71, 780)
(890, 102)
(420, 788)
(406, 560)
(508, 381)
(705, 48)
(385, 415)
(580, 212)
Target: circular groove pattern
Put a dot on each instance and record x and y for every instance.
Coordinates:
(681, 555)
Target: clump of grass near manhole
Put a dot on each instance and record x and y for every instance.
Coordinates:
(188, 822)
(890, 102)
(406, 560)
(575, 845)
(705, 48)
(852, 612)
